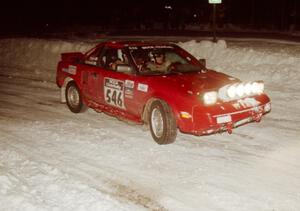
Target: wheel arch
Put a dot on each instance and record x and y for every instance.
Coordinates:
(63, 89)
(163, 127)
(146, 109)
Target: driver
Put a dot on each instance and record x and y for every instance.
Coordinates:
(160, 63)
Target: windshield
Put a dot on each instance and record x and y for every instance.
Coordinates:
(160, 60)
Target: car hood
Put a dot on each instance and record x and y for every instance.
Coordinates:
(196, 82)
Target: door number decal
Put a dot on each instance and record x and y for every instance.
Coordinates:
(114, 92)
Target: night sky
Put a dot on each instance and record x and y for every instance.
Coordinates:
(40, 15)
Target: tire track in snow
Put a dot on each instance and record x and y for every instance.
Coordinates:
(122, 192)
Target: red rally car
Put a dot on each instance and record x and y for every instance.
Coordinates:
(161, 85)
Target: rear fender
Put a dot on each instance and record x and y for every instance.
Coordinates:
(72, 57)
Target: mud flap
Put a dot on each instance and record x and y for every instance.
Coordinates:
(229, 127)
(257, 114)
(62, 94)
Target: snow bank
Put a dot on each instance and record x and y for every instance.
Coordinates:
(276, 66)
(37, 58)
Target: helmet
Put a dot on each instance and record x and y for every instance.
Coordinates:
(158, 52)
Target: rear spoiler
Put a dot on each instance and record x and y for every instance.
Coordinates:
(71, 57)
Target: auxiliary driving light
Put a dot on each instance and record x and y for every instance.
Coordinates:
(255, 87)
(239, 90)
(248, 88)
(261, 87)
(231, 91)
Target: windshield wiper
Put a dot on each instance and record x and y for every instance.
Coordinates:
(186, 68)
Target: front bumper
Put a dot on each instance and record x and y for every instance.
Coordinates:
(223, 117)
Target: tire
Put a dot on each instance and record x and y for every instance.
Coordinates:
(74, 99)
(162, 123)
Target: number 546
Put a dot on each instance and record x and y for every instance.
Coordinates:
(114, 97)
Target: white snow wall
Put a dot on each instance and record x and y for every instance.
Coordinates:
(274, 65)
(37, 59)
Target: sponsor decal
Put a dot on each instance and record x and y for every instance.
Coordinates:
(224, 119)
(65, 70)
(133, 47)
(236, 106)
(128, 93)
(246, 103)
(94, 58)
(129, 84)
(71, 70)
(143, 87)
(129, 87)
(90, 62)
(114, 92)
(157, 46)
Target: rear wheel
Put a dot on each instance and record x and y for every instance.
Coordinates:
(73, 98)
(162, 123)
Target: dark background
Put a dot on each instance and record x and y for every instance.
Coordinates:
(46, 16)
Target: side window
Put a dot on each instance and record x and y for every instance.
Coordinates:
(108, 58)
(93, 58)
(115, 59)
(140, 57)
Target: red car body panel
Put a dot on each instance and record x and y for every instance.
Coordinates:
(182, 92)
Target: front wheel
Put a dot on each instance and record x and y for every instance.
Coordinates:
(73, 98)
(162, 123)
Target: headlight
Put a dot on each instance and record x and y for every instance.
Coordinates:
(210, 98)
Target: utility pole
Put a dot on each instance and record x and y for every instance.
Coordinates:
(214, 23)
(214, 3)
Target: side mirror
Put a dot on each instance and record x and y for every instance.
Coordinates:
(123, 68)
(203, 62)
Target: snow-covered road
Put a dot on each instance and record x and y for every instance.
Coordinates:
(52, 159)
